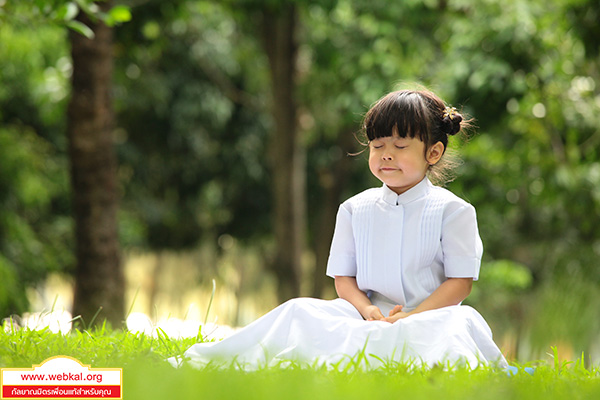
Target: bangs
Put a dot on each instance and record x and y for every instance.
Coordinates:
(402, 113)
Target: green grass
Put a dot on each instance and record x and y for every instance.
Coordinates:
(147, 375)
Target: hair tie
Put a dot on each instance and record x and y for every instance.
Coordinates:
(451, 120)
(450, 112)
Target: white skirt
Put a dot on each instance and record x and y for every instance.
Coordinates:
(332, 333)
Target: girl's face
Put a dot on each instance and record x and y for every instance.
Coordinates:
(401, 163)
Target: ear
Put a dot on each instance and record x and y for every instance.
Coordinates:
(434, 153)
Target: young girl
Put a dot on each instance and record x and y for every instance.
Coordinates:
(403, 256)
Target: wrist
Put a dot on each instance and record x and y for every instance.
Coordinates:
(413, 312)
(366, 310)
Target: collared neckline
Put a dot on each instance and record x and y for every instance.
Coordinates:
(412, 194)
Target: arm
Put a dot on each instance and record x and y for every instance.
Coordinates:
(449, 293)
(348, 290)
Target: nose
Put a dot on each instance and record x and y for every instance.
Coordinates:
(386, 156)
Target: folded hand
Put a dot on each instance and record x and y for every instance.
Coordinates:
(396, 314)
(373, 313)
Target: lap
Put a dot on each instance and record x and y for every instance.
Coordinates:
(310, 329)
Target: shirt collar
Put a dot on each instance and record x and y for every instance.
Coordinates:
(414, 193)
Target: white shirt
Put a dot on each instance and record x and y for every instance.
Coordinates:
(402, 247)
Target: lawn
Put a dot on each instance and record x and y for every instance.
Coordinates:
(146, 374)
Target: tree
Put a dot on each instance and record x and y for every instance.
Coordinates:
(99, 279)
(275, 26)
(92, 162)
(286, 153)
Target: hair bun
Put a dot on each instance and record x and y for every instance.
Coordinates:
(451, 120)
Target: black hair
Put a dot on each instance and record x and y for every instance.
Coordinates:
(415, 114)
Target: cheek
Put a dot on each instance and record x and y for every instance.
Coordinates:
(371, 158)
(373, 162)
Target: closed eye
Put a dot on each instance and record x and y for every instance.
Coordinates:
(401, 147)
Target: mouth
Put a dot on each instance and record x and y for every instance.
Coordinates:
(389, 169)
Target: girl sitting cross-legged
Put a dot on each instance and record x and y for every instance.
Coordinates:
(404, 256)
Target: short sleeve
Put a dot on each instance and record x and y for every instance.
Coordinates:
(342, 255)
(461, 244)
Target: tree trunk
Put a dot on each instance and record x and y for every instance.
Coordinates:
(332, 182)
(287, 154)
(99, 278)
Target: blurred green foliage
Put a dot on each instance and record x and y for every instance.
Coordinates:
(191, 97)
(35, 226)
(61, 13)
(192, 132)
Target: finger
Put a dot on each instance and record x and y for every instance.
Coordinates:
(396, 309)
